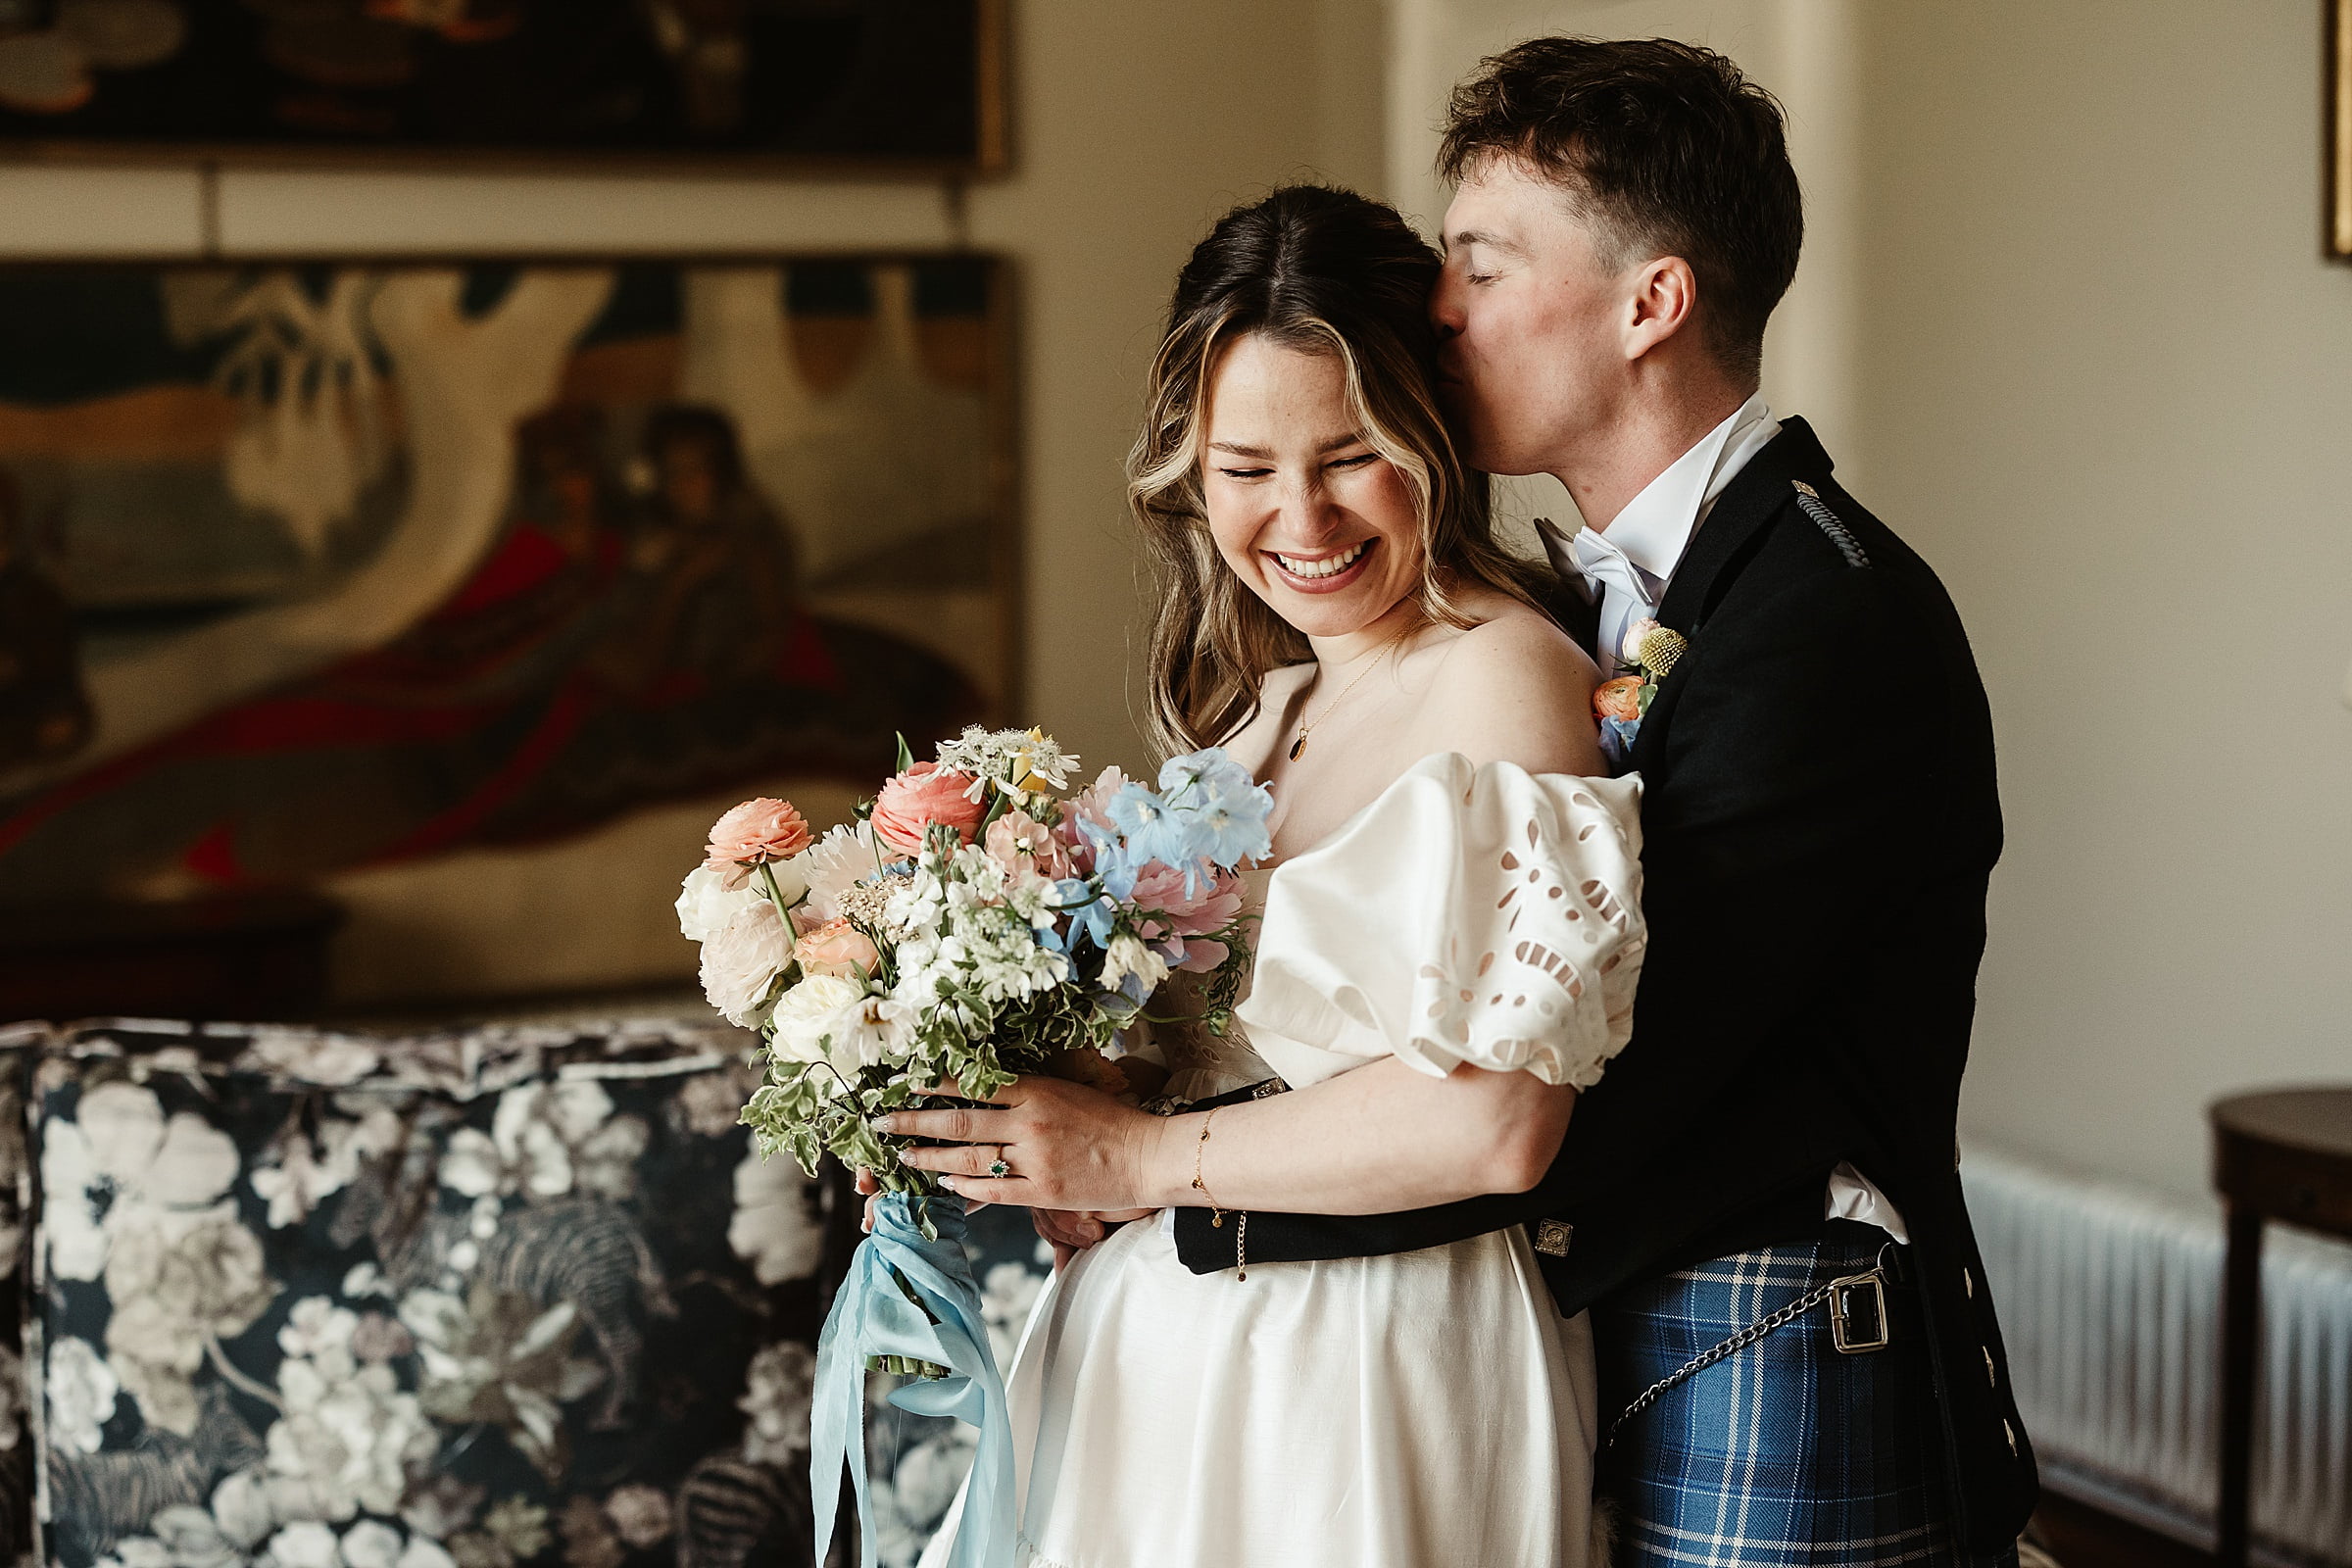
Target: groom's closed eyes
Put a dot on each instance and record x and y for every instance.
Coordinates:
(1480, 254)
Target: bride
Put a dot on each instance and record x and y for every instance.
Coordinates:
(1448, 952)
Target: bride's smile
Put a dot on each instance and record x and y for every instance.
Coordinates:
(1307, 514)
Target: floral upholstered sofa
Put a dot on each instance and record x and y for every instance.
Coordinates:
(481, 1298)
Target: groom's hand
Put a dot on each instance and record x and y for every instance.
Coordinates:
(1072, 1231)
(1067, 1230)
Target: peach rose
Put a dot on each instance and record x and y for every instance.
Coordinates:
(1619, 699)
(837, 948)
(924, 794)
(753, 834)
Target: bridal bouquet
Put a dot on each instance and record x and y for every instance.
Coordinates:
(970, 926)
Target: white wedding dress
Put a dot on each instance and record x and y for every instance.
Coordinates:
(1409, 1411)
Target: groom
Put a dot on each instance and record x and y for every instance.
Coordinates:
(1770, 1164)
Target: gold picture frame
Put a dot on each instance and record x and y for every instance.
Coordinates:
(919, 93)
(819, 444)
(2340, 129)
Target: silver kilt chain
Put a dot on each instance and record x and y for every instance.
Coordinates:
(1707, 1358)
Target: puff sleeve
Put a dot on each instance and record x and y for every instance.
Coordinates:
(1483, 916)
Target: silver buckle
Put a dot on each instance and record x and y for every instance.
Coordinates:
(1841, 1332)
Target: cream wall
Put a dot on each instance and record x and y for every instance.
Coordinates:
(1133, 126)
(2106, 387)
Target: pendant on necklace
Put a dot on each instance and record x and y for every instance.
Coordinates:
(1298, 746)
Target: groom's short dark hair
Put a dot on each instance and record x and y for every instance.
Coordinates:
(1666, 149)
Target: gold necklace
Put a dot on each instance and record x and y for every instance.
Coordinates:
(1300, 745)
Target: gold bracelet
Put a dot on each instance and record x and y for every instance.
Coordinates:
(1216, 1211)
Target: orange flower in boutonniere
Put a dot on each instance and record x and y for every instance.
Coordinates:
(1619, 699)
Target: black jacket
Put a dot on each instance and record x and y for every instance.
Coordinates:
(1819, 821)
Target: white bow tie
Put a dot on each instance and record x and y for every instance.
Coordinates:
(1603, 564)
(1598, 563)
(1588, 558)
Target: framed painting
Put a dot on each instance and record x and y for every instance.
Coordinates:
(310, 573)
(860, 85)
(2339, 136)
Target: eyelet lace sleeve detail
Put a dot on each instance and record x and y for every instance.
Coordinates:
(1482, 916)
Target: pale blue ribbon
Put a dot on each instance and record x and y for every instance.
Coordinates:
(873, 1316)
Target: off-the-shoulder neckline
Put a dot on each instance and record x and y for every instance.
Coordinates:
(1411, 769)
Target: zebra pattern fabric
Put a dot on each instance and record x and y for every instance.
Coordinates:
(1785, 1454)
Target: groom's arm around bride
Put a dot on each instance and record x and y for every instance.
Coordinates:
(1820, 820)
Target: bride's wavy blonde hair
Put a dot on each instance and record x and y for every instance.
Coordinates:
(1323, 272)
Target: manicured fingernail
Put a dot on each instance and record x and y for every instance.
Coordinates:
(954, 1184)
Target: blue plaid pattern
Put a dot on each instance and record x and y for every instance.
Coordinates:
(1785, 1454)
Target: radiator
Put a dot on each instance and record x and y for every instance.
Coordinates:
(2110, 1301)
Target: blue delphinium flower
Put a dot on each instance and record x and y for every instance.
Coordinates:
(1220, 808)
(1149, 829)
(1095, 919)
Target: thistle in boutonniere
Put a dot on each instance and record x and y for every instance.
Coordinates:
(1649, 652)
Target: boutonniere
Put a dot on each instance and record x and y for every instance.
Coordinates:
(1650, 652)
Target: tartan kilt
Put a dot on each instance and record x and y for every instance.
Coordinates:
(1787, 1452)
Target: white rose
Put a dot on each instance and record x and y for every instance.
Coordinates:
(742, 959)
(828, 1018)
(706, 904)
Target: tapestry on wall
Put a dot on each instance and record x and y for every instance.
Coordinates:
(305, 569)
(911, 84)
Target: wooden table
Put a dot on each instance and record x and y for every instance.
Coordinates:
(2285, 1155)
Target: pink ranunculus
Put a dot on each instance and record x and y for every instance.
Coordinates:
(1089, 805)
(1618, 698)
(923, 795)
(1202, 954)
(837, 948)
(1628, 647)
(1209, 905)
(1020, 842)
(753, 834)
(1092, 802)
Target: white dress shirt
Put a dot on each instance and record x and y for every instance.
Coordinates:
(1629, 565)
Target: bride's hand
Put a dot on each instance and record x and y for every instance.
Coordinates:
(1067, 1147)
